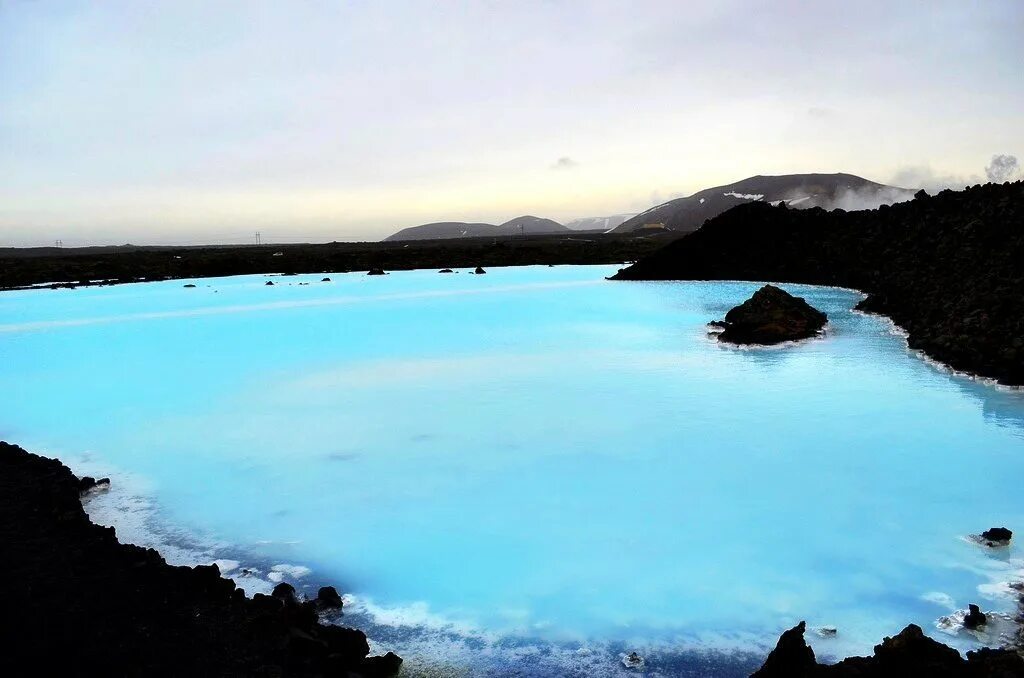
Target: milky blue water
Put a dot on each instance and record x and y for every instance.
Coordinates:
(537, 465)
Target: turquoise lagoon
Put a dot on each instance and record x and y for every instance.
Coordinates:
(533, 470)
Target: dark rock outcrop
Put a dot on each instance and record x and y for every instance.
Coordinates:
(975, 617)
(479, 270)
(949, 268)
(376, 271)
(771, 316)
(325, 280)
(79, 603)
(327, 598)
(269, 283)
(446, 270)
(909, 653)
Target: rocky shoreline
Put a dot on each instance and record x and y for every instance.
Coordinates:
(949, 268)
(79, 603)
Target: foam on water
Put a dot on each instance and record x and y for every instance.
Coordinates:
(535, 470)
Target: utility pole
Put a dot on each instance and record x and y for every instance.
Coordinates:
(258, 237)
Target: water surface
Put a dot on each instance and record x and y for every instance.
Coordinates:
(535, 467)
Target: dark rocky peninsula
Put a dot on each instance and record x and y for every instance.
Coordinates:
(948, 268)
(909, 653)
(79, 603)
(771, 316)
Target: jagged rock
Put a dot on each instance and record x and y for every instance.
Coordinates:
(791, 658)
(997, 536)
(771, 316)
(479, 270)
(909, 653)
(975, 617)
(376, 271)
(328, 598)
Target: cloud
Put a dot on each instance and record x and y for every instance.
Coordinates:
(1002, 168)
(565, 162)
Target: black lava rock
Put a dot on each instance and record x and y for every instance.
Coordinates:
(771, 316)
(328, 598)
(479, 270)
(85, 605)
(975, 617)
(997, 536)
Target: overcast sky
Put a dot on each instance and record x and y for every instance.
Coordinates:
(187, 121)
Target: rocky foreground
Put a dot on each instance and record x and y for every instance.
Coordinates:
(77, 602)
(909, 653)
(948, 268)
(770, 316)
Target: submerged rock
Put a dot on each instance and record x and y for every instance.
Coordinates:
(771, 316)
(633, 661)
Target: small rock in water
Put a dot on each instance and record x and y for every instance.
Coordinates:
(446, 270)
(771, 316)
(633, 661)
(188, 285)
(479, 270)
(997, 536)
(376, 271)
(270, 282)
(325, 280)
(975, 617)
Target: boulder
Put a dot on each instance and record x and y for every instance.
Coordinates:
(325, 280)
(269, 282)
(479, 270)
(327, 598)
(771, 316)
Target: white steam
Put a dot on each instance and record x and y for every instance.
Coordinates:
(1002, 168)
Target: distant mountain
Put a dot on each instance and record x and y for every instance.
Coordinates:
(829, 191)
(442, 230)
(598, 223)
